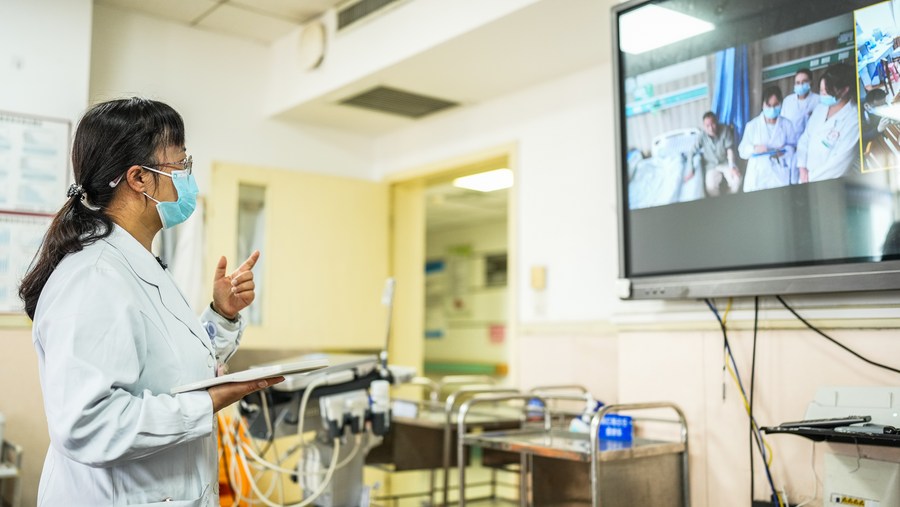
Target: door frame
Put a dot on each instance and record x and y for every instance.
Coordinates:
(416, 179)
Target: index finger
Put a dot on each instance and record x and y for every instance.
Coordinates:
(250, 262)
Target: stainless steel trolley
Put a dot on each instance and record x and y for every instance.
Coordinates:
(425, 441)
(575, 469)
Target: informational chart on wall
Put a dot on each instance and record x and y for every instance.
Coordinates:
(20, 237)
(34, 173)
(33, 162)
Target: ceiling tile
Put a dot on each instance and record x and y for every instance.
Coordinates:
(245, 23)
(183, 11)
(299, 11)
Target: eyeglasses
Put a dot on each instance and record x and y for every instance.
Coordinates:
(185, 165)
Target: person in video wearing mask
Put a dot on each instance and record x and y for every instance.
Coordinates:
(799, 105)
(112, 332)
(874, 125)
(715, 157)
(829, 146)
(767, 147)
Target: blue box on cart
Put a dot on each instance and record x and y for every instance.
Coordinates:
(615, 427)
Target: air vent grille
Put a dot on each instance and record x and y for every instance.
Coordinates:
(394, 101)
(359, 10)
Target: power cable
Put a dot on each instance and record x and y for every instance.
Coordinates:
(752, 386)
(760, 442)
(832, 340)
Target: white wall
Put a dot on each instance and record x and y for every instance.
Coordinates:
(219, 85)
(578, 331)
(564, 181)
(40, 74)
(45, 48)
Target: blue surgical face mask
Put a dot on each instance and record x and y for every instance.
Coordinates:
(828, 100)
(173, 213)
(771, 112)
(801, 89)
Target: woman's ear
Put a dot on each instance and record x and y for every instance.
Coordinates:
(134, 177)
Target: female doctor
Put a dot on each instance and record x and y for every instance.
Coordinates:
(767, 147)
(113, 333)
(829, 147)
(799, 105)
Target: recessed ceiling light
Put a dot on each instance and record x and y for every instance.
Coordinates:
(488, 181)
(651, 26)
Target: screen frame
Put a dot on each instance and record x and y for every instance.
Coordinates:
(839, 277)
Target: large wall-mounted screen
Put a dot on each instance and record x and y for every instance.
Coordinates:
(759, 146)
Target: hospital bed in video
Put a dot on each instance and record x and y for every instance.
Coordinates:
(660, 179)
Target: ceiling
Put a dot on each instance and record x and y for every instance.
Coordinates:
(543, 41)
(263, 21)
(538, 43)
(448, 207)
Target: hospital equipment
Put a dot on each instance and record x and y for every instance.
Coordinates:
(348, 407)
(424, 433)
(574, 468)
(346, 404)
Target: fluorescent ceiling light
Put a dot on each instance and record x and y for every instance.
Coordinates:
(651, 26)
(487, 181)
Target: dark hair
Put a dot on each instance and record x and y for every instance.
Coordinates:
(710, 114)
(805, 71)
(837, 77)
(876, 95)
(111, 137)
(772, 91)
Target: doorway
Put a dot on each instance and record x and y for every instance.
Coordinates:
(455, 247)
(466, 263)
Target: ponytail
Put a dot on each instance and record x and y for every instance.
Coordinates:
(74, 227)
(111, 137)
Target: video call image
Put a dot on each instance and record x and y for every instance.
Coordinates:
(781, 111)
(878, 66)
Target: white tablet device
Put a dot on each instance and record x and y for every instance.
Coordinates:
(255, 374)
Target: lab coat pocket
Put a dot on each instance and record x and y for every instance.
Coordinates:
(200, 502)
(171, 501)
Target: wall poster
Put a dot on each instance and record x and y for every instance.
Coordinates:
(34, 163)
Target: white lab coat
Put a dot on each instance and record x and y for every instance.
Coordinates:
(113, 335)
(798, 111)
(765, 171)
(829, 148)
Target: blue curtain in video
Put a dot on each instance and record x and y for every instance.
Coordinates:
(731, 88)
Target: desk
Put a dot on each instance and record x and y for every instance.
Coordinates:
(868, 66)
(890, 111)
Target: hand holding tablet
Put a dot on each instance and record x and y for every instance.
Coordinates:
(262, 373)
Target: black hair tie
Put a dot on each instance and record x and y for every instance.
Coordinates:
(75, 190)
